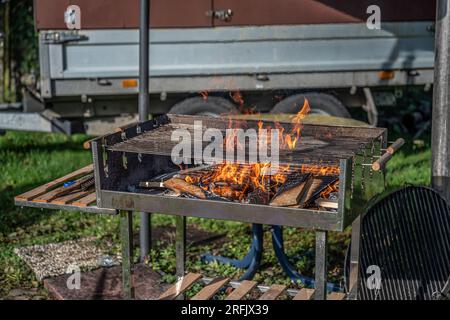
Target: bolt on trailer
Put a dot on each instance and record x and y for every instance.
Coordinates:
(271, 53)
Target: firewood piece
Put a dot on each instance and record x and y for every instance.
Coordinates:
(291, 196)
(328, 204)
(226, 192)
(233, 186)
(258, 196)
(319, 184)
(179, 185)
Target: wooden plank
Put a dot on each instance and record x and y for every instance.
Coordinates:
(66, 191)
(211, 289)
(336, 296)
(304, 294)
(274, 292)
(327, 203)
(87, 200)
(30, 195)
(180, 287)
(240, 292)
(71, 197)
(49, 196)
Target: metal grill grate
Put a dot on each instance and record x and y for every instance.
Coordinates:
(407, 235)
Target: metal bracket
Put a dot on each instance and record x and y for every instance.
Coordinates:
(63, 37)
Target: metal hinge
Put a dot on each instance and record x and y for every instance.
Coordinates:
(224, 15)
(63, 37)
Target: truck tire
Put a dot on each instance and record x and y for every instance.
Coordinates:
(211, 106)
(320, 103)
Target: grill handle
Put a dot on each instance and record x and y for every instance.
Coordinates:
(381, 162)
(397, 144)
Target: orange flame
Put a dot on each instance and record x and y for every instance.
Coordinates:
(236, 96)
(290, 140)
(204, 95)
(235, 181)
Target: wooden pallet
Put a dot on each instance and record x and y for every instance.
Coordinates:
(48, 195)
(238, 290)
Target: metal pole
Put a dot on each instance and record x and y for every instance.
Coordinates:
(321, 265)
(126, 236)
(440, 141)
(180, 248)
(145, 229)
(354, 259)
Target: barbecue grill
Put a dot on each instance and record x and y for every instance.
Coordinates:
(133, 171)
(123, 160)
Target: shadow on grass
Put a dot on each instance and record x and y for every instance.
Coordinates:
(12, 216)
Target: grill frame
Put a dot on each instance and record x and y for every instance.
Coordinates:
(112, 175)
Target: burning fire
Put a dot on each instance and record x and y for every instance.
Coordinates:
(236, 96)
(334, 187)
(233, 180)
(237, 181)
(289, 140)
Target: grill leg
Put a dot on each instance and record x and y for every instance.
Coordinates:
(288, 268)
(354, 259)
(126, 235)
(145, 235)
(180, 248)
(321, 266)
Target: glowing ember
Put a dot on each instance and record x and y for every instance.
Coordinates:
(236, 181)
(334, 187)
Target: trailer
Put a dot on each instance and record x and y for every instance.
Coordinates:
(207, 57)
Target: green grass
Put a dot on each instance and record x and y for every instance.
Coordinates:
(28, 160)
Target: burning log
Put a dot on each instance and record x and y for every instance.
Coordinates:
(292, 191)
(258, 196)
(181, 186)
(318, 185)
(227, 192)
(220, 184)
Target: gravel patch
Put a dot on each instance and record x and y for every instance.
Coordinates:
(56, 259)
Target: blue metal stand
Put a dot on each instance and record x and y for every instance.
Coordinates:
(252, 260)
(283, 259)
